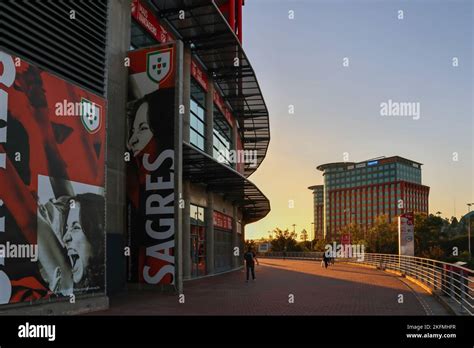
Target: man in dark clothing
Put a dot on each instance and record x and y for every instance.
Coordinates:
(250, 258)
(325, 260)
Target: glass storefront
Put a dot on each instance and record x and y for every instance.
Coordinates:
(198, 241)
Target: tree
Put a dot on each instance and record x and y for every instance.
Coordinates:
(320, 245)
(285, 240)
(250, 244)
(382, 236)
(304, 235)
(427, 233)
(355, 231)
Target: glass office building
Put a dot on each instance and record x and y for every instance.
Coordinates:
(359, 192)
(318, 211)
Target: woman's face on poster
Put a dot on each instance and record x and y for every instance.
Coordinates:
(141, 133)
(79, 250)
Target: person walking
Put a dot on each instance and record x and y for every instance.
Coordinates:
(250, 258)
(325, 260)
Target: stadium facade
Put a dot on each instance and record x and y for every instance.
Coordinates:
(129, 131)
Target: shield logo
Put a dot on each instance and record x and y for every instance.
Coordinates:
(158, 65)
(90, 115)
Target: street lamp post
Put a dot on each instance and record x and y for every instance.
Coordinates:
(313, 234)
(469, 229)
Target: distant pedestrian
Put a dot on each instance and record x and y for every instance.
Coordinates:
(325, 260)
(250, 258)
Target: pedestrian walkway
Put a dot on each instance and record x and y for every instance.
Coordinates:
(341, 289)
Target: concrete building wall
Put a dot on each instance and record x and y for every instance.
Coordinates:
(198, 195)
(223, 206)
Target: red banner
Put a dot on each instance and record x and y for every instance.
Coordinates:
(199, 75)
(148, 21)
(219, 101)
(152, 172)
(222, 221)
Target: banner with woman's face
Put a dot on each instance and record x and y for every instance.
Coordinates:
(52, 206)
(152, 172)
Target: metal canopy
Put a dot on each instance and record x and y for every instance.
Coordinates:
(199, 167)
(212, 40)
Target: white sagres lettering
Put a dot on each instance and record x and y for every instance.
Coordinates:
(157, 206)
(7, 78)
(37, 331)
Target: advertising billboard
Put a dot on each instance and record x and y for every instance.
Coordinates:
(52, 205)
(153, 171)
(147, 20)
(263, 247)
(406, 234)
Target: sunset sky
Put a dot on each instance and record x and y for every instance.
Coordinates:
(337, 109)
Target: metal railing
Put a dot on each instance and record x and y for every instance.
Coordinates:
(312, 255)
(447, 279)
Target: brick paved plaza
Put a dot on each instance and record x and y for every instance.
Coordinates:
(339, 290)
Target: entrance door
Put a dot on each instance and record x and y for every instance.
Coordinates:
(222, 250)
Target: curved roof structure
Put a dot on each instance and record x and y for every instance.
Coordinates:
(323, 167)
(199, 167)
(214, 43)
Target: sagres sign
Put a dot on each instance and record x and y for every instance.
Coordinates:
(153, 172)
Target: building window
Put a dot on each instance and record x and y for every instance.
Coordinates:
(222, 141)
(139, 37)
(197, 117)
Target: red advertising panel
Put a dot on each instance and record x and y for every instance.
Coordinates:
(52, 206)
(219, 101)
(152, 172)
(222, 221)
(345, 239)
(148, 21)
(199, 75)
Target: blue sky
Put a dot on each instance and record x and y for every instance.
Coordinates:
(337, 109)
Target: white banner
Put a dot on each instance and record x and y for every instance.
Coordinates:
(406, 234)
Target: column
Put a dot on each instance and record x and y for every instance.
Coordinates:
(235, 238)
(186, 92)
(209, 220)
(178, 168)
(208, 146)
(118, 43)
(186, 221)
